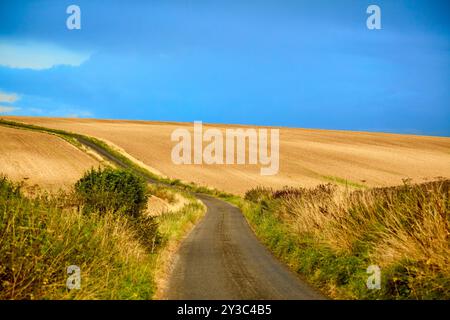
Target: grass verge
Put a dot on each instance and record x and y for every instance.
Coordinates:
(173, 228)
(331, 238)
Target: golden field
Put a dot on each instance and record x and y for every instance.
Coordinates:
(307, 157)
(41, 159)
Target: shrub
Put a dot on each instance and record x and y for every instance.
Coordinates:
(115, 190)
(320, 191)
(147, 233)
(8, 189)
(258, 194)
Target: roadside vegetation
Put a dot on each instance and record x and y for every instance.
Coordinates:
(331, 236)
(100, 226)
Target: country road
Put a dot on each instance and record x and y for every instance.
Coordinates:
(222, 258)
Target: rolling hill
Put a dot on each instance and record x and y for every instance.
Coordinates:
(41, 159)
(307, 157)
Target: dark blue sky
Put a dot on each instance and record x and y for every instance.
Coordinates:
(292, 63)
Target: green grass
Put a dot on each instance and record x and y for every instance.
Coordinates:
(344, 182)
(173, 225)
(318, 264)
(330, 239)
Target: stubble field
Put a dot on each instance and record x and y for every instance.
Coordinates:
(307, 157)
(41, 159)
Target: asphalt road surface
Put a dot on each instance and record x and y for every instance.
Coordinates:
(222, 259)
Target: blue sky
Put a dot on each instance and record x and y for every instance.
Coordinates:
(298, 63)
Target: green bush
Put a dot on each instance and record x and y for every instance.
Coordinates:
(8, 189)
(114, 190)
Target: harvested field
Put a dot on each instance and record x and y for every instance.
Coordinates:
(41, 159)
(307, 157)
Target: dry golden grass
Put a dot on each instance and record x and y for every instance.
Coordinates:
(404, 230)
(307, 157)
(158, 205)
(409, 222)
(36, 158)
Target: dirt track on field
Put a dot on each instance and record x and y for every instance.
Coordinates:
(307, 157)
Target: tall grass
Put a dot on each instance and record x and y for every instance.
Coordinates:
(331, 236)
(118, 255)
(40, 238)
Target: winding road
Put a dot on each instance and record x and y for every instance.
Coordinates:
(222, 258)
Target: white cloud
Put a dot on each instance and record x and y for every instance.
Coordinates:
(8, 97)
(81, 114)
(38, 56)
(35, 110)
(6, 109)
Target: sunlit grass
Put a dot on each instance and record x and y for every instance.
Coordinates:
(331, 237)
(41, 237)
(344, 182)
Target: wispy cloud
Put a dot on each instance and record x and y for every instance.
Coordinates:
(8, 97)
(38, 56)
(81, 114)
(7, 109)
(33, 105)
(35, 111)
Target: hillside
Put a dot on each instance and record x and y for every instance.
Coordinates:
(307, 157)
(41, 159)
